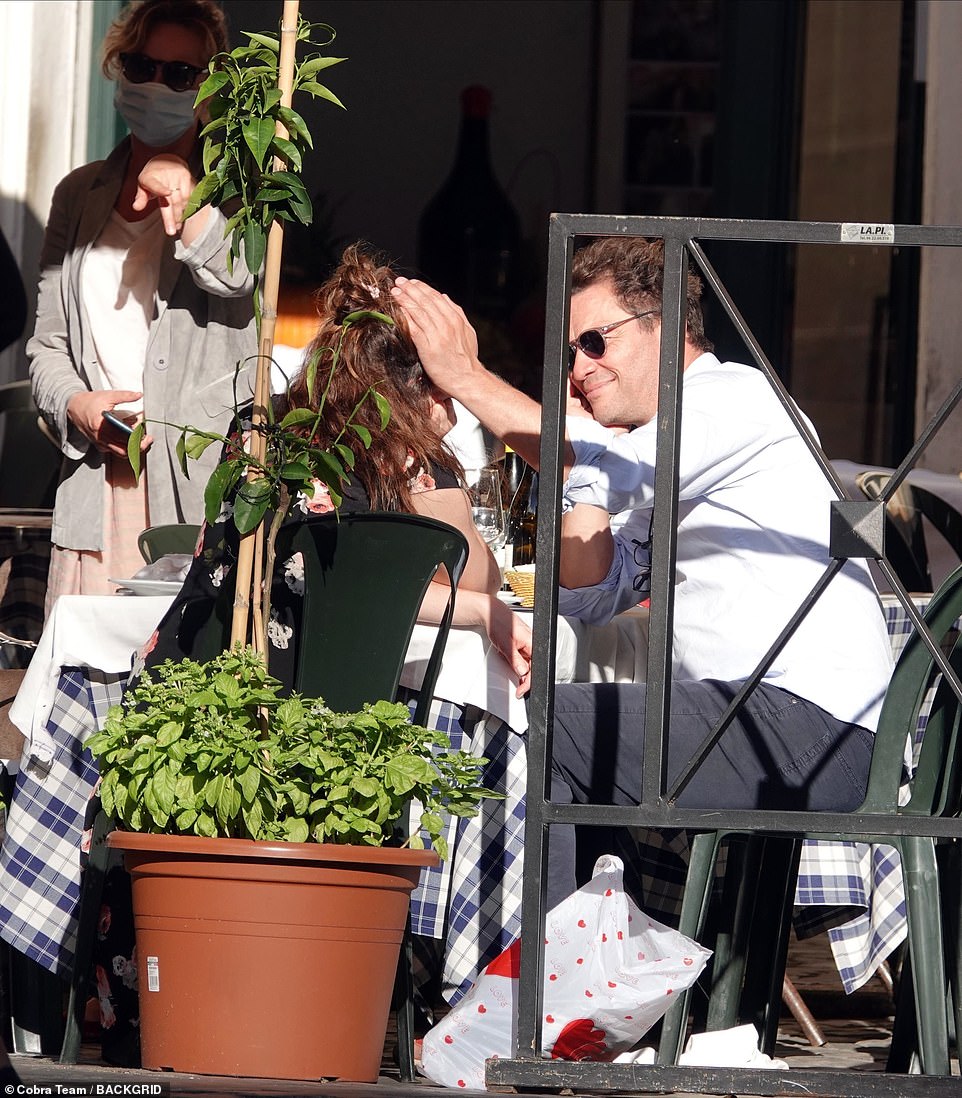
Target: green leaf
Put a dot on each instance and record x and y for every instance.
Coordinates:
(221, 481)
(133, 449)
(264, 40)
(316, 64)
(295, 125)
(366, 787)
(250, 506)
(288, 151)
(255, 246)
(366, 314)
(320, 91)
(298, 417)
(212, 84)
(363, 434)
(296, 471)
(384, 409)
(347, 455)
(258, 135)
(170, 732)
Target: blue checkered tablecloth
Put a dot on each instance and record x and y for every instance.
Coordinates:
(40, 854)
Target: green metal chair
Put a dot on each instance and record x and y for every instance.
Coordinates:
(750, 960)
(905, 532)
(365, 578)
(175, 537)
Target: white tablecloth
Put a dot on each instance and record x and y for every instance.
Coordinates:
(101, 631)
(474, 673)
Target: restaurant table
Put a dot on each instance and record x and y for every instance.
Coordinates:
(472, 904)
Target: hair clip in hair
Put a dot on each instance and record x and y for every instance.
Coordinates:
(373, 290)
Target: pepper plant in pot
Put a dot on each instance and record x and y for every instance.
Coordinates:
(270, 884)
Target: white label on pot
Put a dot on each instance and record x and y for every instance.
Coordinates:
(153, 974)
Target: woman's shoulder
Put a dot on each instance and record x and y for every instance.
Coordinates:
(84, 177)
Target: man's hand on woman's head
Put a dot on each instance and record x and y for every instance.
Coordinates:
(446, 343)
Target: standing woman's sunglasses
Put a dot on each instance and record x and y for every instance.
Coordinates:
(177, 75)
(592, 342)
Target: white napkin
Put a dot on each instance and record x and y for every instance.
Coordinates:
(736, 1047)
(171, 566)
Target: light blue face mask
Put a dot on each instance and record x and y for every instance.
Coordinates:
(153, 113)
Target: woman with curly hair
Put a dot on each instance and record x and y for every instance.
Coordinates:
(407, 468)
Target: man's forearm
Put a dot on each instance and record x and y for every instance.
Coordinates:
(587, 546)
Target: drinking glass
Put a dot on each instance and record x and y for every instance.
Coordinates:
(487, 508)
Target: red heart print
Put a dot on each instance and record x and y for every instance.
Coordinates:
(611, 983)
(689, 961)
(462, 1083)
(581, 923)
(641, 956)
(668, 992)
(549, 1018)
(482, 1009)
(449, 1040)
(580, 1040)
(621, 936)
(589, 994)
(604, 937)
(553, 976)
(608, 892)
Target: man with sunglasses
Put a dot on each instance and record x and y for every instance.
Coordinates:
(753, 526)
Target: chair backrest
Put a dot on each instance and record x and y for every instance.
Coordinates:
(175, 537)
(29, 462)
(915, 674)
(365, 577)
(905, 536)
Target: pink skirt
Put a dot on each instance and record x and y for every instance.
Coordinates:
(87, 572)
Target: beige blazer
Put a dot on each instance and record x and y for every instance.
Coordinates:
(202, 329)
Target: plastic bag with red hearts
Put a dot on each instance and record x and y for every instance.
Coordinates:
(610, 974)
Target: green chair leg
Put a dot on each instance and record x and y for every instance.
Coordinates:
(921, 880)
(701, 872)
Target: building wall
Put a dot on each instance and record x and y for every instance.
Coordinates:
(940, 318)
(44, 76)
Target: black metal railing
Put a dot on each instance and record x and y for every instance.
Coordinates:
(658, 809)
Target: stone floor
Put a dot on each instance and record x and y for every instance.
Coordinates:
(857, 1030)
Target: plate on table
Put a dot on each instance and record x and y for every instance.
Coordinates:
(149, 586)
(510, 598)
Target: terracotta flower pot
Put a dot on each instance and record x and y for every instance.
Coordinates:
(271, 960)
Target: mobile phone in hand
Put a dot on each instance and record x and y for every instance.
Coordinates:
(116, 421)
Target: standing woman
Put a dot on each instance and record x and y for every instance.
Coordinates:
(138, 313)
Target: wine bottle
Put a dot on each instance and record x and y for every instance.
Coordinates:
(522, 508)
(469, 235)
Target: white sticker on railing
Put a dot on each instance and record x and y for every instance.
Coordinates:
(865, 232)
(153, 974)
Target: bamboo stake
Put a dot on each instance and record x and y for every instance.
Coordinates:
(248, 590)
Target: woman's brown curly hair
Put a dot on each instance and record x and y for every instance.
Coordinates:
(373, 353)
